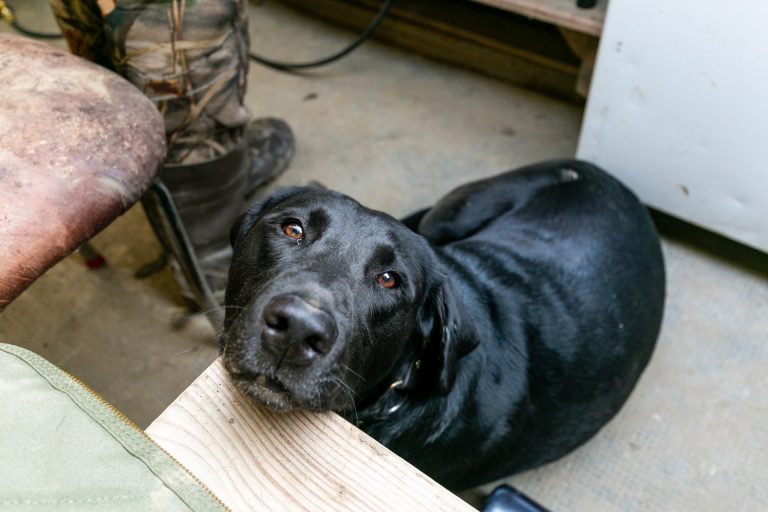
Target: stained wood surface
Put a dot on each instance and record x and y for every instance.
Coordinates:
(80, 145)
(563, 13)
(256, 459)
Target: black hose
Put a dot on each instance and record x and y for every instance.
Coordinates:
(289, 66)
(9, 16)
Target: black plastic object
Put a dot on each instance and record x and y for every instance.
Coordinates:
(586, 4)
(507, 499)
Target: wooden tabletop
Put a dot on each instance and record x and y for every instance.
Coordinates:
(256, 459)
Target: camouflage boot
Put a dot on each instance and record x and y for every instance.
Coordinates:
(191, 59)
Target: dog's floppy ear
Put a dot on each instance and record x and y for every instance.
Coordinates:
(245, 221)
(242, 225)
(449, 330)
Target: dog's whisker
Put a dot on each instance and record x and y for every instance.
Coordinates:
(222, 307)
(214, 340)
(353, 372)
(208, 351)
(318, 398)
(345, 387)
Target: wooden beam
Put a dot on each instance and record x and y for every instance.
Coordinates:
(563, 13)
(256, 459)
(431, 28)
(585, 46)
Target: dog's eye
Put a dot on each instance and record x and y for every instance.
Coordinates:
(388, 280)
(293, 229)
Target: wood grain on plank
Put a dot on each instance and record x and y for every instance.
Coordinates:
(563, 13)
(256, 459)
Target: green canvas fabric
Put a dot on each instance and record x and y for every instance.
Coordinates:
(64, 448)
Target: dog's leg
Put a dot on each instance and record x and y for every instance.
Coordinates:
(412, 221)
(471, 207)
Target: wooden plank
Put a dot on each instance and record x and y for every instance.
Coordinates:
(563, 13)
(256, 459)
(410, 26)
(585, 46)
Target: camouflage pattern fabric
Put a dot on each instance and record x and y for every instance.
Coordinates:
(190, 57)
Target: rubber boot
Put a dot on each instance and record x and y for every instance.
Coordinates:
(191, 59)
(271, 146)
(209, 196)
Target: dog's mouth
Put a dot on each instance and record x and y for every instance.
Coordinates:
(270, 383)
(265, 389)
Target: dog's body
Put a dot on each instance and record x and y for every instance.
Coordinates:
(493, 333)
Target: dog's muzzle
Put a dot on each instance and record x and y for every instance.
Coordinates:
(296, 332)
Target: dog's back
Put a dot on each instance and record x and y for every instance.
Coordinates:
(594, 304)
(561, 270)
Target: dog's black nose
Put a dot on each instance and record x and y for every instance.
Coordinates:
(297, 331)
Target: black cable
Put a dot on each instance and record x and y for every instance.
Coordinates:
(7, 13)
(289, 66)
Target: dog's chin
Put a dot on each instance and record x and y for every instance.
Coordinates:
(273, 394)
(267, 392)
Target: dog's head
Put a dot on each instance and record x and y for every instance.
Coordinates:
(326, 298)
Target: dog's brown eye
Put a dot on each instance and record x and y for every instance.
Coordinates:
(293, 229)
(388, 280)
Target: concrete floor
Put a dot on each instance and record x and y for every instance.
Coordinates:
(396, 131)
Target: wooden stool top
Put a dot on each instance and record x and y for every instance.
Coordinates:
(78, 146)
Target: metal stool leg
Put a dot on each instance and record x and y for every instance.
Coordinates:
(162, 214)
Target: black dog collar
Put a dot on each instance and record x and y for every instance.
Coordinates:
(391, 400)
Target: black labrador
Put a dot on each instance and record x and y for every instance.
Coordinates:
(490, 334)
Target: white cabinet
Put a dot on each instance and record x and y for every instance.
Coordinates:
(678, 110)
